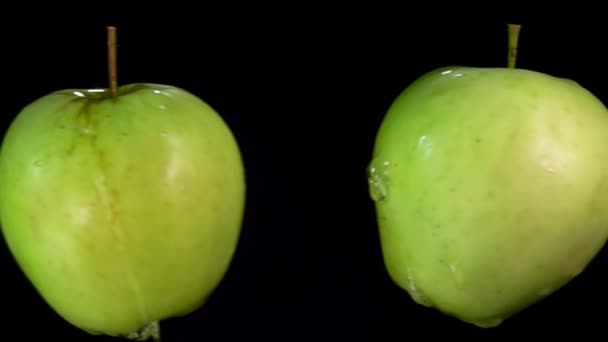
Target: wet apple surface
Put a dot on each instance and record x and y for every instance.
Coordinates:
(490, 186)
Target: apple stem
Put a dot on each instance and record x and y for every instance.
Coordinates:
(513, 44)
(112, 68)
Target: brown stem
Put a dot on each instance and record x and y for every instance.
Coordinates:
(513, 44)
(112, 68)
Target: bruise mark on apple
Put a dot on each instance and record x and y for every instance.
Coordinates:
(70, 151)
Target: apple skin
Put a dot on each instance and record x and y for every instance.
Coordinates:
(121, 212)
(491, 189)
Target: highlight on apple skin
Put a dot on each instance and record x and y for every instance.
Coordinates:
(490, 187)
(121, 210)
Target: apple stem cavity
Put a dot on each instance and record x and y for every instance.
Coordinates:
(513, 44)
(112, 68)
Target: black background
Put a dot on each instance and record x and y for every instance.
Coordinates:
(304, 89)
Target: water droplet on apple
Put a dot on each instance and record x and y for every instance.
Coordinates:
(489, 322)
(87, 130)
(149, 330)
(451, 74)
(549, 164)
(417, 295)
(377, 176)
(457, 275)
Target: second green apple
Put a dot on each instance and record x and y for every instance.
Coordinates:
(491, 188)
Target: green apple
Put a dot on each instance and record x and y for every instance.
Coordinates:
(490, 188)
(122, 209)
